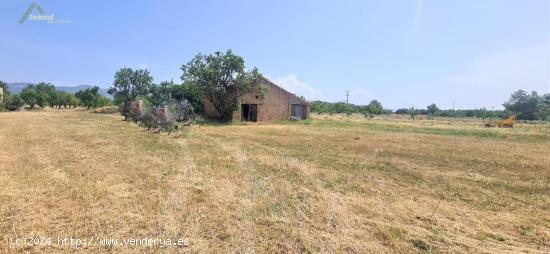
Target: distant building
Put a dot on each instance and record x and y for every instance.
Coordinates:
(278, 104)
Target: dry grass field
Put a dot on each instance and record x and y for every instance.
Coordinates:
(332, 184)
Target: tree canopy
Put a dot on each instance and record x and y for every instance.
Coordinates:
(432, 109)
(222, 78)
(161, 94)
(128, 86)
(190, 92)
(12, 102)
(523, 104)
(33, 95)
(91, 98)
(375, 108)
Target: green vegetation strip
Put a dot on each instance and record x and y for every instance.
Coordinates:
(406, 128)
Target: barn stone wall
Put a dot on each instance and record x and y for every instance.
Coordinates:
(274, 107)
(209, 109)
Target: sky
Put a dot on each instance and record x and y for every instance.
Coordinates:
(467, 53)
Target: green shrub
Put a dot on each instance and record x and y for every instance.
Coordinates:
(12, 102)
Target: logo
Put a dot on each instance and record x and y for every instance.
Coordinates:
(42, 16)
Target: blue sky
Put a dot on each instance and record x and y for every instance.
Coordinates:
(404, 53)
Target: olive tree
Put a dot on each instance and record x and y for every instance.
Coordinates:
(222, 79)
(33, 95)
(91, 98)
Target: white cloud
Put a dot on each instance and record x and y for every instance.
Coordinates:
(291, 83)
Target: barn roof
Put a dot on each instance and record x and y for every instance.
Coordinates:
(297, 98)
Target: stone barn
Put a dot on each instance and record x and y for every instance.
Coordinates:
(278, 104)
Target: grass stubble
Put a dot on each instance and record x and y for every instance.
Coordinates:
(330, 185)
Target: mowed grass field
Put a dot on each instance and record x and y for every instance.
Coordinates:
(332, 184)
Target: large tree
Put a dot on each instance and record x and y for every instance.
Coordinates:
(375, 108)
(36, 94)
(47, 92)
(128, 86)
(523, 104)
(161, 94)
(222, 79)
(191, 93)
(432, 109)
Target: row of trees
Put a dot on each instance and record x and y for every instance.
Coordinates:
(370, 110)
(45, 94)
(526, 106)
(375, 108)
(220, 77)
(91, 98)
(433, 110)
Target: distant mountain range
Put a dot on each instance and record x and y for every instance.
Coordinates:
(17, 87)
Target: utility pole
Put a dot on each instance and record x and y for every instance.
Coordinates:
(453, 114)
(347, 96)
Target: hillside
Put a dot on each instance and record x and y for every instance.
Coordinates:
(18, 87)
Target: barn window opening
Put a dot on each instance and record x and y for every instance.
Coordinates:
(249, 112)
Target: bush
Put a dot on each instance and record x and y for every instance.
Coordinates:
(148, 119)
(183, 111)
(161, 118)
(166, 120)
(12, 102)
